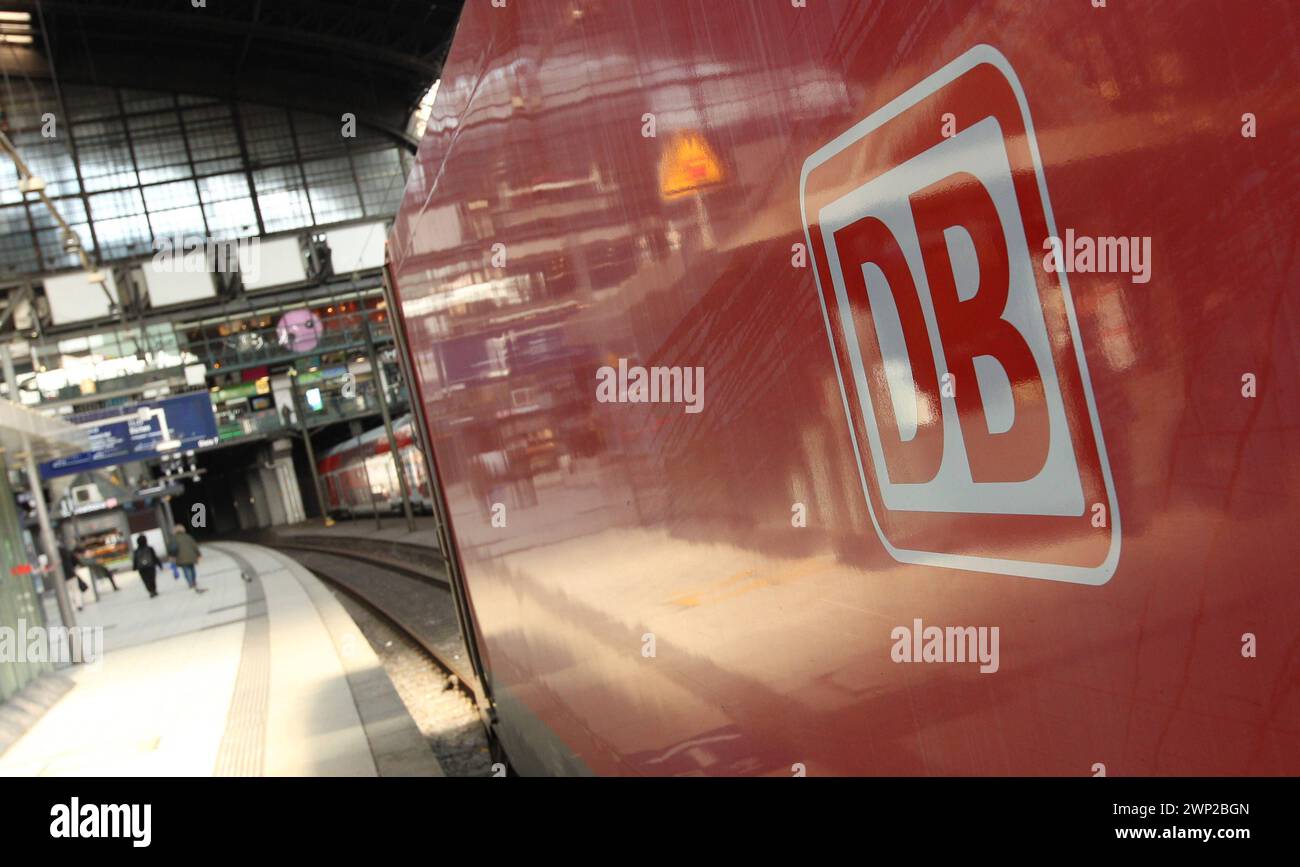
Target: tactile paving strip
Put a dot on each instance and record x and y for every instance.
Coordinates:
(243, 745)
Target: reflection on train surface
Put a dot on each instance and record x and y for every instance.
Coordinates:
(905, 416)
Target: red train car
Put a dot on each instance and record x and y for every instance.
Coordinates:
(360, 477)
(915, 390)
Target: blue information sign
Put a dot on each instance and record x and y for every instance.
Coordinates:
(143, 431)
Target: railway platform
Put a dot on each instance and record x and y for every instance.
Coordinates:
(391, 568)
(264, 674)
(386, 529)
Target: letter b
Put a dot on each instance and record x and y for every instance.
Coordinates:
(970, 300)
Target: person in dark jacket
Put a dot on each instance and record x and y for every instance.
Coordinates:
(98, 571)
(145, 560)
(187, 557)
(69, 563)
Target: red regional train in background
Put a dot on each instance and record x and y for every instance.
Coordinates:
(359, 476)
(898, 388)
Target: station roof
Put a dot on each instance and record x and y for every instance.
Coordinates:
(49, 437)
(373, 58)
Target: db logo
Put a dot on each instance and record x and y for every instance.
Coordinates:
(959, 361)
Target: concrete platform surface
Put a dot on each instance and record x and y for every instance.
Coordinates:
(268, 677)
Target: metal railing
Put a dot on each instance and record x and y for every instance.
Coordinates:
(255, 347)
(125, 358)
(334, 408)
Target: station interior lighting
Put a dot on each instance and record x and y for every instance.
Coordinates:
(16, 28)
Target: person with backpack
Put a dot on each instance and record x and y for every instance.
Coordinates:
(145, 560)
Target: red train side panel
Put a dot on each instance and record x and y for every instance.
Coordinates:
(888, 400)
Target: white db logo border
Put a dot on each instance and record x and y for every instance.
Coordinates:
(1092, 575)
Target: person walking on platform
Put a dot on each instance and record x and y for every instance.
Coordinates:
(99, 572)
(145, 560)
(171, 557)
(187, 556)
(70, 575)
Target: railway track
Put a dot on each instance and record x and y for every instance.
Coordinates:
(414, 561)
(405, 584)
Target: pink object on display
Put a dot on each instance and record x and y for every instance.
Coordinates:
(299, 330)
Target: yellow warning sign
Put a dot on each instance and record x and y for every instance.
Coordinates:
(687, 165)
